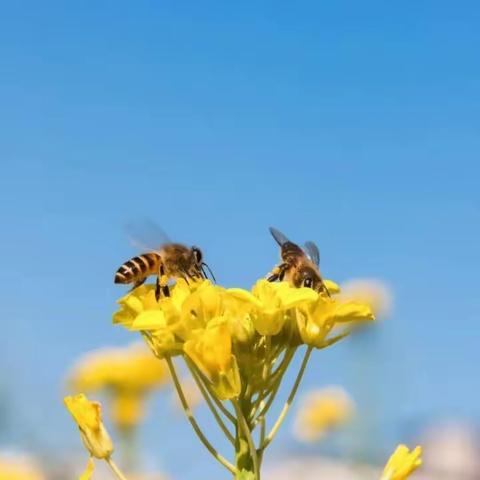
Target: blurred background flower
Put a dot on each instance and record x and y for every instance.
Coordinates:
(126, 374)
(320, 411)
(372, 291)
(14, 466)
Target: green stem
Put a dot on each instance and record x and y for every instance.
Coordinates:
(247, 435)
(116, 471)
(274, 387)
(194, 423)
(207, 386)
(289, 401)
(210, 404)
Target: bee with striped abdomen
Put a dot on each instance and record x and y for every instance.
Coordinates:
(169, 261)
(299, 267)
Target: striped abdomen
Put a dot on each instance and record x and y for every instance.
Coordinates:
(138, 268)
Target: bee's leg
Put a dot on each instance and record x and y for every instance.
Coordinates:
(277, 273)
(137, 284)
(161, 286)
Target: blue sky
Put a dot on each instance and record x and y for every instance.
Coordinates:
(355, 124)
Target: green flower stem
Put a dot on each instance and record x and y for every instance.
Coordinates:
(262, 430)
(208, 399)
(273, 388)
(128, 448)
(116, 471)
(245, 434)
(194, 423)
(289, 401)
(208, 387)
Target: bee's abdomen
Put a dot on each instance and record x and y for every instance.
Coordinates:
(137, 268)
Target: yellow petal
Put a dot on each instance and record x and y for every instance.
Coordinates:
(332, 287)
(353, 311)
(402, 463)
(149, 320)
(87, 415)
(297, 296)
(245, 296)
(87, 474)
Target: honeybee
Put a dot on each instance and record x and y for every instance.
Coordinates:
(299, 267)
(168, 261)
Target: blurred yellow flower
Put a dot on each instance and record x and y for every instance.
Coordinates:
(87, 474)
(402, 463)
(18, 468)
(127, 374)
(88, 417)
(322, 410)
(373, 292)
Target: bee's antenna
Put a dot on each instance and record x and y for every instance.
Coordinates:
(209, 269)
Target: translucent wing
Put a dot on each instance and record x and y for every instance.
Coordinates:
(312, 251)
(279, 237)
(145, 235)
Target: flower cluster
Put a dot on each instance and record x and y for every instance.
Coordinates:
(232, 335)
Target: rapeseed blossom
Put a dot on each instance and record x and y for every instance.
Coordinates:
(238, 345)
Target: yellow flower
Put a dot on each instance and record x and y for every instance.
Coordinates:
(270, 301)
(211, 351)
(139, 309)
(87, 415)
(127, 374)
(316, 320)
(19, 468)
(321, 411)
(402, 463)
(373, 292)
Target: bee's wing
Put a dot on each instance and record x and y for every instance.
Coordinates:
(312, 251)
(145, 235)
(279, 237)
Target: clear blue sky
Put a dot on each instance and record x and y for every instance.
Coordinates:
(355, 124)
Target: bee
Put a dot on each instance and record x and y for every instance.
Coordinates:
(168, 261)
(299, 267)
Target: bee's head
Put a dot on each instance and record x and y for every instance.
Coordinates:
(197, 256)
(200, 265)
(310, 278)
